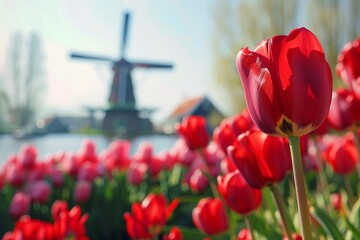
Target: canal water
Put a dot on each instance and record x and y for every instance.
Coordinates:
(54, 143)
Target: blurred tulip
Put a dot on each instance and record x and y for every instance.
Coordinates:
(336, 201)
(194, 131)
(174, 234)
(68, 224)
(198, 181)
(210, 217)
(19, 205)
(294, 236)
(117, 155)
(244, 234)
(87, 152)
(39, 191)
(262, 159)
(82, 191)
(30, 229)
(149, 217)
(342, 154)
(343, 112)
(238, 195)
(14, 174)
(282, 76)
(348, 66)
(27, 156)
(136, 172)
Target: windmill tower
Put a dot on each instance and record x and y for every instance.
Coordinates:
(122, 117)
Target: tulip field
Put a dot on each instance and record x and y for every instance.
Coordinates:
(286, 167)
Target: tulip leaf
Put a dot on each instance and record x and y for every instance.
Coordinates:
(353, 222)
(326, 223)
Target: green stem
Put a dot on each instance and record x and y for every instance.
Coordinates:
(280, 204)
(249, 227)
(349, 190)
(299, 180)
(211, 178)
(322, 177)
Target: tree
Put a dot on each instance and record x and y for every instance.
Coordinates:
(240, 24)
(25, 77)
(244, 23)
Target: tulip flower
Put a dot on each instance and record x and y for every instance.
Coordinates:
(19, 205)
(281, 78)
(238, 195)
(262, 159)
(342, 154)
(194, 131)
(82, 190)
(30, 229)
(343, 113)
(210, 217)
(68, 223)
(348, 66)
(39, 191)
(225, 134)
(174, 234)
(27, 156)
(244, 234)
(149, 217)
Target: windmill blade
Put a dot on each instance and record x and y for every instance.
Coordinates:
(125, 33)
(150, 65)
(91, 57)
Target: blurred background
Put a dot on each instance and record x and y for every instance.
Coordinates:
(44, 91)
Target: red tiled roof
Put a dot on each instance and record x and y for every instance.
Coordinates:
(186, 106)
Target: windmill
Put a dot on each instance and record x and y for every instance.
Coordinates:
(122, 114)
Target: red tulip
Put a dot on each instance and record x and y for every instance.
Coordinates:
(68, 223)
(27, 156)
(225, 134)
(244, 234)
(342, 154)
(19, 205)
(193, 130)
(30, 229)
(348, 66)
(294, 236)
(82, 190)
(39, 191)
(344, 109)
(149, 217)
(238, 195)
(210, 217)
(336, 201)
(282, 78)
(262, 159)
(174, 234)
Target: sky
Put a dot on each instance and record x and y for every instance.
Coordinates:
(167, 31)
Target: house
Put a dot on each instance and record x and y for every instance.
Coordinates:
(198, 105)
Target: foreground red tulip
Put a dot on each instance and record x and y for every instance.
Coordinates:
(281, 78)
(209, 216)
(149, 217)
(348, 66)
(68, 224)
(193, 130)
(238, 195)
(262, 159)
(30, 229)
